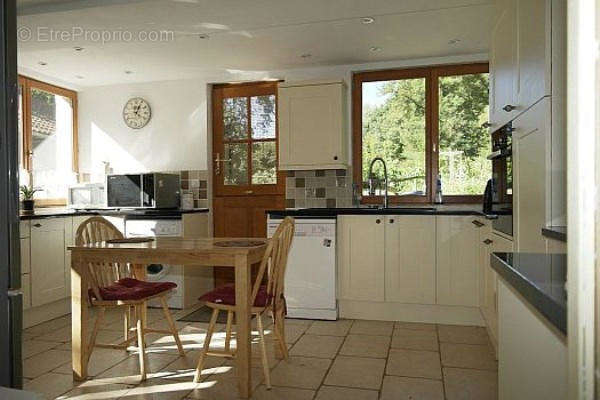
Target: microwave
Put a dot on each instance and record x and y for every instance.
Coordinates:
(151, 190)
(86, 195)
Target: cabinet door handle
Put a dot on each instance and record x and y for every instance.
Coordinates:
(486, 125)
(378, 221)
(391, 221)
(477, 223)
(37, 225)
(335, 158)
(508, 107)
(488, 241)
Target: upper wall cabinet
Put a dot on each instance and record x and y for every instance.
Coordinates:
(520, 57)
(311, 126)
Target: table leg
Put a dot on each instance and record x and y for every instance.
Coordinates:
(243, 317)
(139, 271)
(80, 318)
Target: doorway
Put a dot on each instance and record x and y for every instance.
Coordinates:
(246, 178)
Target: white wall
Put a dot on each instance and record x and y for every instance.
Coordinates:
(177, 136)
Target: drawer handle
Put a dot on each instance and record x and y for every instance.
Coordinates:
(477, 223)
(509, 107)
(391, 221)
(378, 221)
(488, 241)
(37, 225)
(335, 158)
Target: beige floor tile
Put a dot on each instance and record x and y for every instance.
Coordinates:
(50, 386)
(384, 328)
(341, 393)
(330, 328)
(463, 334)
(33, 347)
(415, 340)
(297, 321)
(128, 370)
(160, 389)
(300, 372)
(358, 372)
(59, 335)
(223, 385)
(293, 332)
(468, 356)
(317, 346)
(183, 368)
(49, 326)
(100, 361)
(45, 362)
(92, 390)
(281, 393)
(366, 346)
(414, 363)
(470, 384)
(402, 388)
(164, 325)
(417, 326)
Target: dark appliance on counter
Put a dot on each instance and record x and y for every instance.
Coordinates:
(151, 190)
(498, 196)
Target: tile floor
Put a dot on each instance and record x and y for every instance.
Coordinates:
(341, 360)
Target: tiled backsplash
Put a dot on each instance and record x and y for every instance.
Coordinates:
(196, 183)
(318, 188)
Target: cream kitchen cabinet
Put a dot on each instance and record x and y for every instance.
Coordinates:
(24, 235)
(532, 177)
(410, 259)
(48, 260)
(361, 257)
(457, 261)
(311, 126)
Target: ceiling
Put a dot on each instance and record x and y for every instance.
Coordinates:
(205, 37)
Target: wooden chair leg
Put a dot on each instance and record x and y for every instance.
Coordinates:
(126, 322)
(172, 326)
(228, 330)
(97, 323)
(209, 333)
(263, 350)
(141, 342)
(279, 327)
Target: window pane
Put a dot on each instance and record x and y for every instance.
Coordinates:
(263, 117)
(464, 144)
(394, 129)
(235, 118)
(235, 165)
(20, 127)
(51, 143)
(264, 159)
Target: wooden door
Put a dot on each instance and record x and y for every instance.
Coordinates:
(362, 260)
(410, 259)
(246, 178)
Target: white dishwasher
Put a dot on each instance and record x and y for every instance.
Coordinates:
(310, 277)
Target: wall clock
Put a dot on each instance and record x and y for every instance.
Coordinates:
(136, 113)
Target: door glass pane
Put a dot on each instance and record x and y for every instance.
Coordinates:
(464, 143)
(394, 129)
(235, 118)
(51, 143)
(263, 117)
(264, 159)
(235, 166)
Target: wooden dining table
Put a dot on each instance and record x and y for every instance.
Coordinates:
(194, 253)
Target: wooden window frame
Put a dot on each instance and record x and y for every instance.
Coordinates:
(431, 75)
(26, 84)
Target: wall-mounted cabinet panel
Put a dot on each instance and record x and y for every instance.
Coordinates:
(410, 259)
(311, 127)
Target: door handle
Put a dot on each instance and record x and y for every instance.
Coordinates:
(248, 191)
(488, 241)
(377, 221)
(391, 221)
(37, 225)
(477, 223)
(508, 107)
(218, 161)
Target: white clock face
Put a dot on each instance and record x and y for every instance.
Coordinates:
(136, 113)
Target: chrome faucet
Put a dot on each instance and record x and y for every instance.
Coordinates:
(372, 180)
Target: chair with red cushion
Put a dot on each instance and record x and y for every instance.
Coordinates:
(267, 298)
(113, 285)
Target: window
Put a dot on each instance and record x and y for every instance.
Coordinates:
(405, 116)
(48, 139)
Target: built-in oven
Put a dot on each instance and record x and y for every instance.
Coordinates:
(501, 183)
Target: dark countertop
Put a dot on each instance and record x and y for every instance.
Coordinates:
(555, 232)
(415, 210)
(129, 213)
(540, 279)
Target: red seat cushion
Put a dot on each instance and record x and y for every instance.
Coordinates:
(226, 295)
(132, 289)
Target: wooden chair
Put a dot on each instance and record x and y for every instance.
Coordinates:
(114, 285)
(264, 298)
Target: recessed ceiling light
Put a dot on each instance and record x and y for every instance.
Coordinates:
(42, 63)
(78, 48)
(306, 55)
(453, 41)
(128, 72)
(78, 76)
(203, 36)
(367, 20)
(374, 49)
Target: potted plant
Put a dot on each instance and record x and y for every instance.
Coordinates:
(27, 193)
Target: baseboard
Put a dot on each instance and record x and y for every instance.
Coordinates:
(427, 313)
(37, 315)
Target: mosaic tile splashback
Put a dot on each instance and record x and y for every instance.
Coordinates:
(318, 188)
(195, 183)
